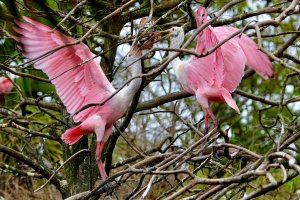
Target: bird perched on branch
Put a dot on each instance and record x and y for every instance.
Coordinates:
(79, 80)
(6, 87)
(212, 78)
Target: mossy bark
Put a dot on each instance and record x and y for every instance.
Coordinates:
(78, 169)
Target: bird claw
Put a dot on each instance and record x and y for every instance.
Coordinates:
(205, 130)
(216, 123)
(111, 186)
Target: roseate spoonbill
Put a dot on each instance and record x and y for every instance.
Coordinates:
(255, 58)
(79, 85)
(212, 78)
(5, 87)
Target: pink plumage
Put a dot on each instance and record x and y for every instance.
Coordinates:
(77, 84)
(5, 86)
(212, 78)
(73, 135)
(255, 58)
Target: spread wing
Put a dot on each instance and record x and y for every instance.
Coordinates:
(76, 85)
(234, 64)
(256, 59)
(228, 63)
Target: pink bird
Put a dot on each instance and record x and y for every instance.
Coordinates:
(212, 78)
(5, 87)
(80, 85)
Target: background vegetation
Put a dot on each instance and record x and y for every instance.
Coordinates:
(159, 150)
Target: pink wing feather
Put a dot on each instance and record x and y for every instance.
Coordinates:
(210, 71)
(234, 64)
(76, 85)
(256, 59)
(199, 72)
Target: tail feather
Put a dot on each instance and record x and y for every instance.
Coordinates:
(229, 100)
(73, 135)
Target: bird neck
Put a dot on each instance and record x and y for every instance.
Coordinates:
(128, 92)
(135, 69)
(176, 62)
(178, 68)
(178, 65)
(204, 42)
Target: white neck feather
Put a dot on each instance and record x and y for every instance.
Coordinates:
(178, 67)
(176, 42)
(127, 93)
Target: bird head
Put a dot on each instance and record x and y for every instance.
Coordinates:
(200, 16)
(176, 35)
(5, 85)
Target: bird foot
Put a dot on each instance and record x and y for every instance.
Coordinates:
(216, 123)
(111, 186)
(205, 131)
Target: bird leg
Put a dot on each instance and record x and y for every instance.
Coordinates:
(99, 149)
(206, 123)
(109, 187)
(213, 117)
(209, 113)
(101, 140)
(102, 136)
